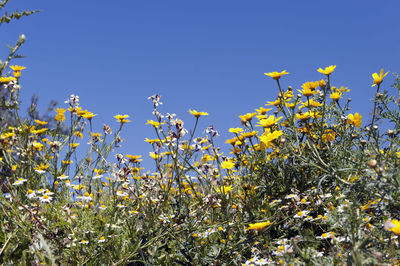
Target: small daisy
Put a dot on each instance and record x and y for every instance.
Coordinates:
(304, 201)
(62, 177)
(275, 201)
(20, 181)
(30, 194)
(49, 193)
(68, 183)
(324, 196)
(84, 242)
(40, 171)
(97, 176)
(308, 218)
(291, 196)
(301, 214)
(40, 191)
(281, 241)
(326, 235)
(101, 240)
(113, 226)
(87, 197)
(122, 194)
(45, 198)
(102, 207)
(119, 205)
(262, 262)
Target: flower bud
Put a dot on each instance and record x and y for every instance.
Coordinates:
(372, 163)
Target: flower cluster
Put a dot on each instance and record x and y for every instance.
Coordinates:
(303, 182)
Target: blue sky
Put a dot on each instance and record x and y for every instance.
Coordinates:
(204, 55)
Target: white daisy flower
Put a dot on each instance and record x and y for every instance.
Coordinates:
(62, 177)
(30, 194)
(45, 198)
(20, 181)
(326, 235)
(121, 193)
(97, 176)
(301, 214)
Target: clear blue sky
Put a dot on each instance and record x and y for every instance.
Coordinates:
(205, 55)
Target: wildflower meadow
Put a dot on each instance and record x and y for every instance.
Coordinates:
(307, 181)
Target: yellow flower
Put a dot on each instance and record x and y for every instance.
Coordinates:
(7, 135)
(154, 123)
(38, 131)
(288, 94)
(309, 88)
(6, 79)
(354, 119)
(263, 111)
(329, 135)
(37, 145)
(393, 226)
(343, 89)
(311, 103)
(224, 189)
(322, 83)
(247, 117)
(88, 115)
(41, 123)
(74, 145)
(269, 122)
(42, 167)
(17, 74)
(248, 134)
(122, 118)
(235, 130)
(258, 226)
(78, 134)
(291, 105)
(336, 96)
(205, 158)
(197, 114)
(134, 158)
(268, 137)
(274, 103)
(304, 116)
(327, 71)
(153, 155)
(231, 141)
(276, 75)
(228, 164)
(60, 117)
(17, 68)
(378, 78)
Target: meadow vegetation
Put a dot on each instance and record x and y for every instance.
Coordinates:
(307, 181)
